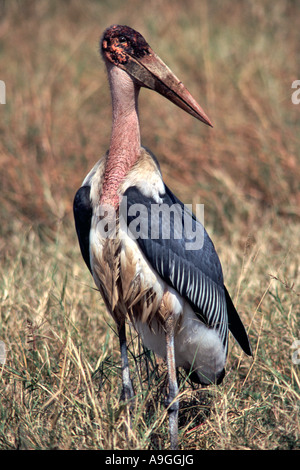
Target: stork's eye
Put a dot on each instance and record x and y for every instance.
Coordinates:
(122, 39)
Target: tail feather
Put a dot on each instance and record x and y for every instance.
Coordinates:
(236, 326)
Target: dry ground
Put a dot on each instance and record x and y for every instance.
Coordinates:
(60, 384)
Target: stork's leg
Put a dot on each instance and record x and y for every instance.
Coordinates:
(127, 388)
(173, 386)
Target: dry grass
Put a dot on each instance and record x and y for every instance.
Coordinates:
(60, 385)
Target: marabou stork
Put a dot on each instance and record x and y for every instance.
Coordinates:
(174, 296)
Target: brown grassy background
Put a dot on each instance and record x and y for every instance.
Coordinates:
(61, 382)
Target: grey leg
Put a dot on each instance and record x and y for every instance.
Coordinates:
(173, 387)
(127, 388)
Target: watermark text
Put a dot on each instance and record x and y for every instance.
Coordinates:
(296, 94)
(2, 92)
(296, 353)
(2, 352)
(154, 221)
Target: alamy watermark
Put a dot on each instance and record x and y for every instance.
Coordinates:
(296, 353)
(154, 221)
(2, 352)
(296, 94)
(2, 92)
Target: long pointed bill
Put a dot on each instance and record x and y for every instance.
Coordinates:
(151, 72)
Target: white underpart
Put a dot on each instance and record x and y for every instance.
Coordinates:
(196, 347)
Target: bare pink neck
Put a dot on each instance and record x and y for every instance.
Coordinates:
(125, 141)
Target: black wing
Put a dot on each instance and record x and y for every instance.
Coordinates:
(83, 212)
(195, 273)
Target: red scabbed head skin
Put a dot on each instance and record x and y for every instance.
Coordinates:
(118, 42)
